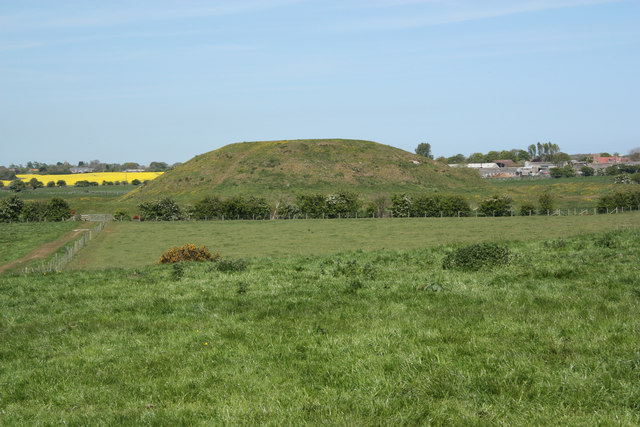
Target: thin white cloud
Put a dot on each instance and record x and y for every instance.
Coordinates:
(441, 12)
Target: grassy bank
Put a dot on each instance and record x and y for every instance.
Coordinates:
(363, 337)
(136, 244)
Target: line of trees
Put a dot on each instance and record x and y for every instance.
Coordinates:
(61, 168)
(14, 209)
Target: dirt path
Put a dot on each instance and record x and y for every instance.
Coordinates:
(44, 251)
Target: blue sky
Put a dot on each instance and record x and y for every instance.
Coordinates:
(166, 80)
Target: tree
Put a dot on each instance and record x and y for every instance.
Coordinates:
(61, 183)
(496, 206)
(34, 183)
(458, 158)
(532, 150)
(57, 210)
(587, 171)
(477, 158)
(424, 149)
(51, 184)
(158, 167)
(545, 202)
(17, 185)
(34, 211)
(11, 208)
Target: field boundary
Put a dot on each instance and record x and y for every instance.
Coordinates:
(58, 261)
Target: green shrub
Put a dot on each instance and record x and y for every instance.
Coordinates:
(61, 183)
(11, 208)
(527, 209)
(34, 211)
(496, 206)
(476, 256)
(51, 184)
(546, 202)
(165, 209)
(57, 209)
(231, 265)
(121, 215)
(188, 252)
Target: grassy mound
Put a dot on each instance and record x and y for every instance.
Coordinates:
(275, 168)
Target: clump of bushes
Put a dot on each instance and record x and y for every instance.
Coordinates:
(476, 256)
(428, 205)
(496, 206)
(188, 252)
(624, 199)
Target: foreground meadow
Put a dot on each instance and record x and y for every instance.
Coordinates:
(134, 244)
(358, 337)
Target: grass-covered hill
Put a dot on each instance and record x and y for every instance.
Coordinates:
(282, 169)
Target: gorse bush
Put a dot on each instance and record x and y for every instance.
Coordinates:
(476, 256)
(188, 252)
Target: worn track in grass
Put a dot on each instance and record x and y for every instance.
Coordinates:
(44, 251)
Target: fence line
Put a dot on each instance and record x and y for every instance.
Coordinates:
(442, 214)
(57, 261)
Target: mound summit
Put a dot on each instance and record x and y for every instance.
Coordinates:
(283, 169)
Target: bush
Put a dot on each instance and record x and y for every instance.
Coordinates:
(161, 210)
(476, 256)
(51, 184)
(624, 199)
(527, 209)
(57, 210)
(587, 171)
(496, 206)
(546, 202)
(231, 265)
(34, 211)
(61, 183)
(400, 205)
(188, 252)
(121, 215)
(35, 183)
(17, 185)
(11, 208)
(136, 182)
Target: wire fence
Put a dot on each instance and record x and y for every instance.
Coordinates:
(443, 214)
(59, 260)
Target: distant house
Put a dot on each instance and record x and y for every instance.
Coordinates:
(487, 165)
(81, 170)
(608, 160)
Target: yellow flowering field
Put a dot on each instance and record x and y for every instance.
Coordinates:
(98, 177)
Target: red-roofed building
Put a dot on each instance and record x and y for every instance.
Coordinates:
(610, 160)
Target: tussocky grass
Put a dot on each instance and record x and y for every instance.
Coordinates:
(359, 337)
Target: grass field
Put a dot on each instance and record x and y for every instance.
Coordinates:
(18, 239)
(134, 244)
(356, 338)
(100, 199)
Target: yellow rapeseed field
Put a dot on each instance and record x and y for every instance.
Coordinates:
(98, 177)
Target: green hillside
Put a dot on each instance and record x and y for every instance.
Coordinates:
(282, 169)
